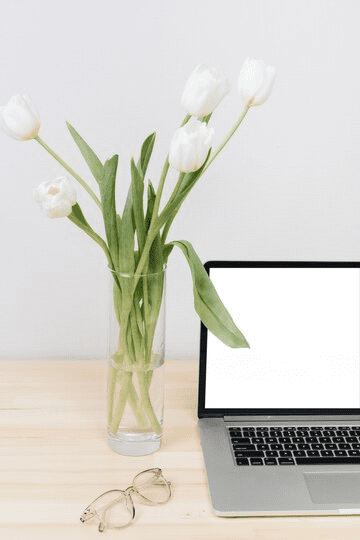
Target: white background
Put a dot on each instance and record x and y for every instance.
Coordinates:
(303, 329)
(286, 187)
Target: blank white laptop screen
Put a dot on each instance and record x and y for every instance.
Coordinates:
(302, 325)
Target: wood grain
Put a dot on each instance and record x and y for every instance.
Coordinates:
(54, 460)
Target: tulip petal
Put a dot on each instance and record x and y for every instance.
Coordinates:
(19, 118)
(204, 90)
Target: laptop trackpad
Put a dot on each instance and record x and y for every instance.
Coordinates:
(333, 487)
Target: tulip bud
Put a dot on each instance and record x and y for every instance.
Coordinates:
(19, 118)
(56, 197)
(255, 81)
(190, 146)
(204, 91)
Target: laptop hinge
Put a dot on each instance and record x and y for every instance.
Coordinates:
(293, 418)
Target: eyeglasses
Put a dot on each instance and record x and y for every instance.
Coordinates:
(115, 509)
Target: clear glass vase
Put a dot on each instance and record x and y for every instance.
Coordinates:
(136, 363)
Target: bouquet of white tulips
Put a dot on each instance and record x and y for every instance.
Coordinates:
(135, 240)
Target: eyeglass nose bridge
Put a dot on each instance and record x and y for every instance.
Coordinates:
(86, 515)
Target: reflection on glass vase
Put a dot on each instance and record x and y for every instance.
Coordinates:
(136, 363)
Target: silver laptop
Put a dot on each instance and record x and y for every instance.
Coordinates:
(280, 422)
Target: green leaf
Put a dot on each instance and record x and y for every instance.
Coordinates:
(94, 163)
(107, 191)
(186, 186)
(150, 205)
(145, 154)
(77, 213)
(126, 238)
(167, 249)
(137, 189)
(207, 302)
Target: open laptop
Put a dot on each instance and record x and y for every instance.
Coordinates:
(280, 422)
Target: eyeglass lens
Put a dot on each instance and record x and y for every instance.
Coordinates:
(152, 486)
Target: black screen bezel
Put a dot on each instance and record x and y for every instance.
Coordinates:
(204, 412)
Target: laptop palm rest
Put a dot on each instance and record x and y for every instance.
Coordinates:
(334, 487)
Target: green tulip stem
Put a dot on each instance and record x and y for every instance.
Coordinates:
(154, 224)
(69, 170)
(227, 138)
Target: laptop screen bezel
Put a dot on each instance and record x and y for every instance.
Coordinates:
(206, 412)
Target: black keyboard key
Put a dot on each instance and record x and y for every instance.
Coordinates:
(262, 447)
(242, 461)
(326, 453)
(244, 447)
(241, 440)
(285, 453)
(344, 446)
(340, 453)
(289, 446)
(286, 461)
(257, 440)
(317, 446)
(304, 446)
(313, 453)
(351, 439)
(256, 461)
(354, 452)
(331, 446)
(298, 440)
(311, 439)
(271, 440)
(283, 440)
(270, 461)
(328, 460)
(299, 453)
(338, 439)
(249, 453)
(276, 446)
(271, 453)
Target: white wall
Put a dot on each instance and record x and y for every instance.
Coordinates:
(286, 187)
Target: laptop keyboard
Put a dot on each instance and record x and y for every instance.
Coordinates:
(296, 445)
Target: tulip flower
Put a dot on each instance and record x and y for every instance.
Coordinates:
(19, 118)
(190, 146)
(203, 91)
(255, 82)
(56, 197)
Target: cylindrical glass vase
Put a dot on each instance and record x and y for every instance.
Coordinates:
(136, 363)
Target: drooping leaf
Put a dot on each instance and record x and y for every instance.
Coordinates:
(145, 154)
(137, 190)
(107, 191)
(207, 302)
(94, 163)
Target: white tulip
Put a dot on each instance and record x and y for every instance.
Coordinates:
(190, 146)
(19, 118)
(255, 82)
(204, 90)
(56, 197)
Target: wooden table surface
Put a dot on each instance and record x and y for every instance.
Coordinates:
(54, 460)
